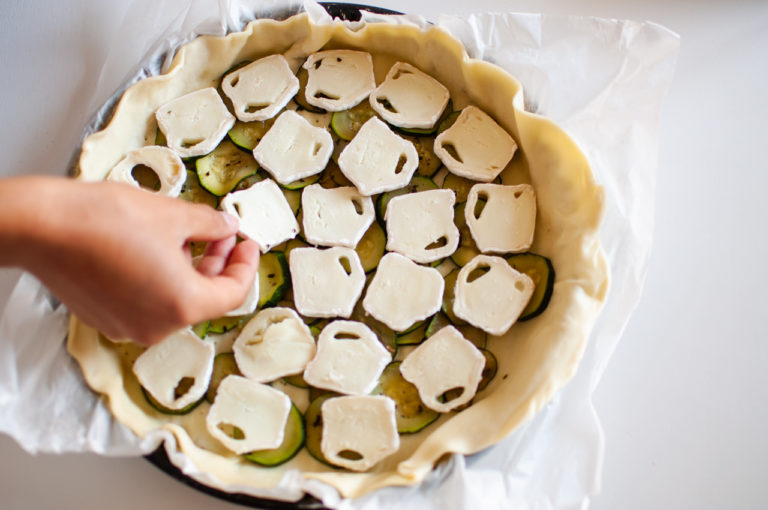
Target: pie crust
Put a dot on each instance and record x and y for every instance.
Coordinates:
(535, 358)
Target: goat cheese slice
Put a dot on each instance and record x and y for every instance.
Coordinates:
(326, 282)
(251, 300)
(403, 292)
(338, 79)
(507, 219)
(445, 361)
(349, 359)
(490, 294)
(409, 98)
(420, 225)
(293, 148)
(195, 123)
(475, 146)
(273, 344)
(335, 216)
(247, 416)
(377, 159)
(166, 367)
(260, 89)
(358, 431)
(264, 213)
(165, 163)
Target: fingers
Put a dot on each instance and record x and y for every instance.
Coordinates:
(215, 257)
(206, 224)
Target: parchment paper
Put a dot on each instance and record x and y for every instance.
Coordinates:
(602, 80)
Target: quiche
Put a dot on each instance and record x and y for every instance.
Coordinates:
(419, 267)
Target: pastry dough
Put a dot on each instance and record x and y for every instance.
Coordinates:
(534, 362)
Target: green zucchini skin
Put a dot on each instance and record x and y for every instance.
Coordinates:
(540, 269)
(347, 123)
(274, 278)
(293, 440)
(410, 412)
(247, 135)
(313, 419)
(371, 247)
(157, 406)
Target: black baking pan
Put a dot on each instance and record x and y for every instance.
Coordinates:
(346, 12)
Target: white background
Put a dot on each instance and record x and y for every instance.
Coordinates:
(683, 401)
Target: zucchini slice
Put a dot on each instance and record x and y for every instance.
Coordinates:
(224, 324)
(347, 123)
(293, 197)
(371, 247)
(447, 111)
(541, 271)
(223, 365)
(300, 97)
(410, 412)
(296, 380)
(449, 297)
(475, 335)
(386, 336)
(429, 163)
(490, 369)
(293, 440)
(201, 328)
(413, 336)
(247, 135)
(460, 185)
(274, 278)
(221, 170)
(191, 191)
(294, 243)
(301, 183)
(313, 420)
(249, 181)
(447, 121)
(157, 406)
(418, 183)
(467, 249)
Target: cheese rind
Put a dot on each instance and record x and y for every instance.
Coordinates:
(377, 159)
(507, 220)
(261, 89)
(403, 292)
(166, 164)
(264, 214)
(338, 79)
(251, 300)
(273, 344)
(409, 98)
(420, 225)
(163, 366)
(482, 146)
(349, 359)
(257, 410)
(444, 361)
(293, 148)
(326, 282)
(494, 300)
(195, 123)
(363, 425)
(335, 216)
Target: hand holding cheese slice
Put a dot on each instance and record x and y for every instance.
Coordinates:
(165, 163)
(501, 218)
(475, 146)
(195, 123)
(409, 98)
(358, 431)
(338, 79)
(444, 362)
(247, 416)
(326, 283)
(490, 294)
(378, 160)
(349, 359)
(265, 215)
(261, 89)
(335, 216)
(403, 292)
(420, 225)
(163, 368)
(273, 344)
(293, 148)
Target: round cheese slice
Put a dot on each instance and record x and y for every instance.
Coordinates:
(335, 216)
(501, 218)
(165, 163)
(273, 344)
(338, 79)
(261, 89)
(247, 416)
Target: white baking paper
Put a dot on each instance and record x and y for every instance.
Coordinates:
(602, 80)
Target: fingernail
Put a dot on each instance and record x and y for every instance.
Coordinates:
(232, 221)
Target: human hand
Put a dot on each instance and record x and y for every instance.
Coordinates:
(118, 256)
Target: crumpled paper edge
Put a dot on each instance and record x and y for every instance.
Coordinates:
(479, 472)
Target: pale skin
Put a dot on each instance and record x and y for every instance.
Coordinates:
(118, 256)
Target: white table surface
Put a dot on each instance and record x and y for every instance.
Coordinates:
(683, 401)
